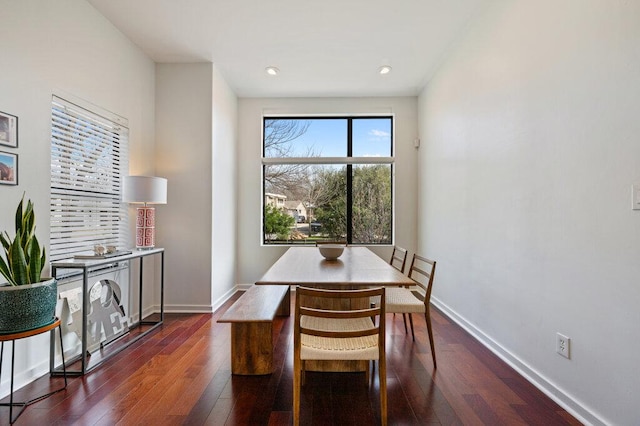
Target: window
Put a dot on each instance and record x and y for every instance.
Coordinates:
(89, 153)
(327, 178)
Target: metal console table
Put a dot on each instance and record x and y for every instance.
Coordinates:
(89, 265)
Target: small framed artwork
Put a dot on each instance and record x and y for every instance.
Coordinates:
(8, 130)
(8, 168)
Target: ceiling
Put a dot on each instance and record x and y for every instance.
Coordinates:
(322, 48)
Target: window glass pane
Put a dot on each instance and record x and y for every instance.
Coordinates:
(313, 210)
(293, 137)
(372, 137)
(372, 204)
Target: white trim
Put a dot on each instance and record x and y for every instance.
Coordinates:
(562, 398)
(327, 160)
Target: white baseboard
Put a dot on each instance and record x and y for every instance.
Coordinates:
(195, 309)
(22, 378)
(582, 413)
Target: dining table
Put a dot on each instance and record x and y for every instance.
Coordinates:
(356, 268)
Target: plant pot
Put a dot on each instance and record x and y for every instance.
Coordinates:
(29, 306)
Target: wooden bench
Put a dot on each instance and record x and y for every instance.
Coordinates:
(251, 318)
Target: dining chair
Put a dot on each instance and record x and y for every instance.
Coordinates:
(338, 334)
(404, 301)
(398, 258)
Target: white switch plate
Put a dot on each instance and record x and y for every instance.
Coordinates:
(635, 197)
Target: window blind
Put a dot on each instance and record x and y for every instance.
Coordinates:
(89, 154)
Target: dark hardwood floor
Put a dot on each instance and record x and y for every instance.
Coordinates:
(180, 375)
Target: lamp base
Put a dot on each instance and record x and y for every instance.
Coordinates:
(145, 227)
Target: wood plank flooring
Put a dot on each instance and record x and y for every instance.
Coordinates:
(180, 375)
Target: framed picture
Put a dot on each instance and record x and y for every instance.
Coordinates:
(8, 168)
(8, 130)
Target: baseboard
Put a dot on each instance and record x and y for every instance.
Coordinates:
(194, 309)
(579, 411)
(22, 378)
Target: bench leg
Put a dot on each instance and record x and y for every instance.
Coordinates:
(284, 310)
(252, 348)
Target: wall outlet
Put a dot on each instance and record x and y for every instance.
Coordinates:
(563, 345)
(635, 197)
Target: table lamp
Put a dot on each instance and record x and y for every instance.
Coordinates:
(145, 190)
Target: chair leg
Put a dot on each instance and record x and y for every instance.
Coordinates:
(411, 322)
(427, 318)
(404, 318)
(382, 372)
(296, 392)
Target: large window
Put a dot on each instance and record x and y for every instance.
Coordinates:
(89, 155)
(327, 178)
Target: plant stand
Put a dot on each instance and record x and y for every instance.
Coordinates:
(16, 336)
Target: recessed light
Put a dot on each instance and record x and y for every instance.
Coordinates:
(385, 69)
(272, 70)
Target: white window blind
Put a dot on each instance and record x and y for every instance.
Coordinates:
(89, 154)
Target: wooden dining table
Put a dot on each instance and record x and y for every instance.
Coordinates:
(357, 267)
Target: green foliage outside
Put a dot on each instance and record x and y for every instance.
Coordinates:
(331, 211)
(371, 210)
(277, 223)
(371, 204)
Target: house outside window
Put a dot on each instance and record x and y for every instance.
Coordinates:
(328, 178)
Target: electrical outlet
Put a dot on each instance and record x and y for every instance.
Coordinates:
(635, 197)
(563, 345)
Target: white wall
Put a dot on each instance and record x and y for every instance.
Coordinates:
(530, 147)
(225, 189)
(253, 259)
(183, 156)
(67, 47)
(196, 115)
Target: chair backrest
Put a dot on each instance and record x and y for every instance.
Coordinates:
(422, 271)
(347, 299)
(398, 258)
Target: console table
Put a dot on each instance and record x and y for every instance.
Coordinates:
(89, 265)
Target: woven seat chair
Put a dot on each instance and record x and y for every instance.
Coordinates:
(398, 260)
(404, 301)
(338, 335)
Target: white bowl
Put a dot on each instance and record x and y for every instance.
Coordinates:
(331, 251)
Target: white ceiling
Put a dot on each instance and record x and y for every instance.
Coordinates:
(322, 47)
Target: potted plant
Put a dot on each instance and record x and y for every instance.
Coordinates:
(27, 301)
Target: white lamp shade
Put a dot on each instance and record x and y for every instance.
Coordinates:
(144, 189)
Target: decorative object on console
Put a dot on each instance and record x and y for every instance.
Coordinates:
(145, 190)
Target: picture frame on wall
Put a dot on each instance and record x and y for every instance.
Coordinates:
(8, 130)
(8, 168)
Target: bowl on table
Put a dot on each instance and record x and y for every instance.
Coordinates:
(331, 251)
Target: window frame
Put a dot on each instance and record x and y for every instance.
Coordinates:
(349, 161)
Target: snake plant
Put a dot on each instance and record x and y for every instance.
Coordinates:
(24, 259)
